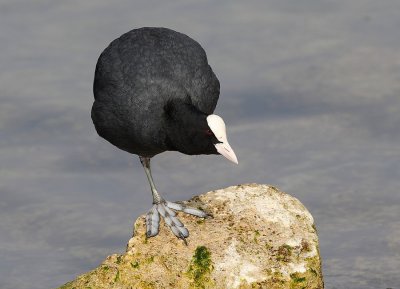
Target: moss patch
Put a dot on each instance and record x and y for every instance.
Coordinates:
(150, 260)
(256, 235)
(296, 278)
(200, 268)
(116, 279)
(309, 279)
(135, 264)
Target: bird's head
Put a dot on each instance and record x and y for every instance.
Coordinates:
(192, 132)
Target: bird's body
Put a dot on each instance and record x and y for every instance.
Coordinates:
(137, 75)
(155, 91)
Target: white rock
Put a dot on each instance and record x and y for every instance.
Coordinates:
(259, 238)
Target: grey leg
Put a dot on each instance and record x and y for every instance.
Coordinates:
(146, 165)
(166, 210)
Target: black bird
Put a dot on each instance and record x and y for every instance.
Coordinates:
(154, 91)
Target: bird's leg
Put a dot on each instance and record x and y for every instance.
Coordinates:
(146, 165)
(166, 210)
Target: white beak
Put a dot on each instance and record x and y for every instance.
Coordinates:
(225, 149)
(217, 126)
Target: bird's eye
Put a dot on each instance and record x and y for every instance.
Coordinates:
(209, 132)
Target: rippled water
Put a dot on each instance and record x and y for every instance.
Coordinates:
(310, 93)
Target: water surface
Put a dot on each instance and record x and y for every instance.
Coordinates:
(310, 91)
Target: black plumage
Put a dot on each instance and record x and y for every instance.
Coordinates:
(154, 91)
(145, 82)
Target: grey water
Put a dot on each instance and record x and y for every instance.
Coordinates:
(310, 92)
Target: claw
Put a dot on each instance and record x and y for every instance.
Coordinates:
(166, 210)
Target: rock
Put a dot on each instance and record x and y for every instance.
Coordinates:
(259, 238)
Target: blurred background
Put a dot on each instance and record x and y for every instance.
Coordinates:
(310, 91)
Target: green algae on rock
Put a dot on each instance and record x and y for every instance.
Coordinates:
(200, 268)
(259, 238)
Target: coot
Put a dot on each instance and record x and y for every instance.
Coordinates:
(154, 91)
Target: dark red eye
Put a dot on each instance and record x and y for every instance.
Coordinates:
(209, 132)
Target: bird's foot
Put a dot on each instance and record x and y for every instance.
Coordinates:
(166, 210)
